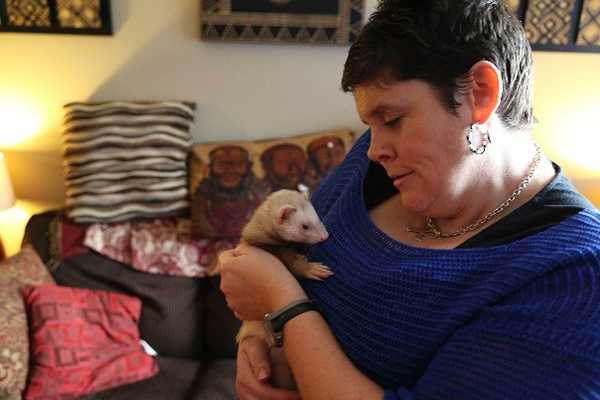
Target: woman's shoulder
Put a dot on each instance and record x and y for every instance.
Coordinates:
(573, 240)
(589, 220)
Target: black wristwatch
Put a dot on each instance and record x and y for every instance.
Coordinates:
(275, 321)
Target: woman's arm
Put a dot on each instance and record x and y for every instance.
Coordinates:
(321, 369)
(255, 283)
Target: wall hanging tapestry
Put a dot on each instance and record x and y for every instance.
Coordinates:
(88, 17)
(560, 25)
(295, 21)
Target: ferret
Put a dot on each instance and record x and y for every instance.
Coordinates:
(283, 221)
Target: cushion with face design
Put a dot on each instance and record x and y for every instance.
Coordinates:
(228, 180)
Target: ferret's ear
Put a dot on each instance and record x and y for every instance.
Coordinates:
(284, 212)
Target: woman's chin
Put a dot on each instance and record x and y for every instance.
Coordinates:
(415, 204)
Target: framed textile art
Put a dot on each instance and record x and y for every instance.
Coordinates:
(87, 17)
(560, 25)
(280, 21)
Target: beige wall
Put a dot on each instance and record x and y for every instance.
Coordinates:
(567, 105)
(243, 91)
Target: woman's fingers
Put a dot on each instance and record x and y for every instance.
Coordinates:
(257, 354)
(254, 372)
(228, 256)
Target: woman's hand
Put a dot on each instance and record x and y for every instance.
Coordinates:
(255, 282)
(254, 372)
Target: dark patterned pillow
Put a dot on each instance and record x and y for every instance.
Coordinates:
(83, 341)
(125, 160)
(228, 180)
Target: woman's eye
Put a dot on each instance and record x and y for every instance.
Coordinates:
(305, 227)
(392, 122)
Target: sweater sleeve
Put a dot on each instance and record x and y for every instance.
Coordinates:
(541, 342)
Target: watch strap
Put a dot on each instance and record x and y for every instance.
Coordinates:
(279, 318)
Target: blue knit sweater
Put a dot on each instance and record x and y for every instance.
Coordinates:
(517, 321)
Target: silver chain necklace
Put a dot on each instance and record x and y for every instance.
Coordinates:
(433, 231)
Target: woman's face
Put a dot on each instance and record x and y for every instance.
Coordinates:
(420, 143)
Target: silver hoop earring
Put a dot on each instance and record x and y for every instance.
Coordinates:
(484, 140)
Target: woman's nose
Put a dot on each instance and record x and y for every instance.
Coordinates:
(379, 151)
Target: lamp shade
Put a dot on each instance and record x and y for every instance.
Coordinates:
(7, 195)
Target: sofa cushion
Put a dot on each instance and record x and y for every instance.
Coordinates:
(181, 317)
(220, 325)
(126, 159)
(66, 237)
(179, 379)
(83, 341)
(172, 317)
(228, 180)
(156, 246)
(24, 268)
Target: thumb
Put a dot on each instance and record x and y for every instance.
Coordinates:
(257, 354)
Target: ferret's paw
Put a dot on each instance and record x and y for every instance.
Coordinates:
(318, 271)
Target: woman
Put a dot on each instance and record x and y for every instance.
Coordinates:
(466, 266)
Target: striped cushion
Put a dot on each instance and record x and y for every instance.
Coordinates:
(125, 160)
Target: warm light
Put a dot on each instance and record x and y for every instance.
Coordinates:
(20, 121)
(12, 227)
(14, 220)
(580, 138)
(7, 194)
(570, 137)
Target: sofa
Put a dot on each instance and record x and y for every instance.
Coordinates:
(141, 318)
(185, 320)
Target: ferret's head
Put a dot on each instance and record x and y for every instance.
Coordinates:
(297, 221)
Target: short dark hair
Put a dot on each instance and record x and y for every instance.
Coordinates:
(438, 41)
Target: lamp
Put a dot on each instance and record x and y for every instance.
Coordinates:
(7, 195)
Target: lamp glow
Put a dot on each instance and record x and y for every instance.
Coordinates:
(570, 137)
(7, 195)
(20, 122)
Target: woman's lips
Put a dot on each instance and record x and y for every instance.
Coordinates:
(399, 179)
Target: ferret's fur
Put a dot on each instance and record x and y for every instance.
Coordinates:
(286, 218)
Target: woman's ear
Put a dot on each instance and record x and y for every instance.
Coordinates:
(486, 90)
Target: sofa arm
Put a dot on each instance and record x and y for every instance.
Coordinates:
(37, 234)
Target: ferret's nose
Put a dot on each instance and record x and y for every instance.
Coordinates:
(324, 235)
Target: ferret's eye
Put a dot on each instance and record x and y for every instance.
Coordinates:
(305, 227)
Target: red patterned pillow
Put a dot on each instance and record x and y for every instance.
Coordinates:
(83, 341)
